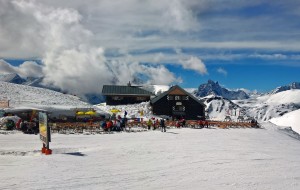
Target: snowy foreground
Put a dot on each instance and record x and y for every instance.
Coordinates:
(265, 158)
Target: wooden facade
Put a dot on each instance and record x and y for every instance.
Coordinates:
(123, 95)
(125, 99)
(178, 103)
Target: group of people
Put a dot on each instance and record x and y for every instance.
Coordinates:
(156, 124)
(114, 124)
(29, 127)
(203, 123)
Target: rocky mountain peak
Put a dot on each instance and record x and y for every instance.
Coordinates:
(213, 88)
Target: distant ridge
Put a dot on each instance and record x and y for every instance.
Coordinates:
(12, 78)
(213, 88)
(294, 85)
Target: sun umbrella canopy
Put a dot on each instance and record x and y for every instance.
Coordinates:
(115, 111)
(90, 113)
(80, 113)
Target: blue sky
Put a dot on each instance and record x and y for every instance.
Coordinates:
(263, 78)
(242, 44)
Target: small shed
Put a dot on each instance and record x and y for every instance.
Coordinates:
(122, 95)
(178, 103)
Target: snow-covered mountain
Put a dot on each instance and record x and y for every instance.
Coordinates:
(269, 106)
(38, 82)
(27, 96)
(294, 85)
(291, 120)
(217, 108)
(12, 78)
(24, 97)
(213, 88)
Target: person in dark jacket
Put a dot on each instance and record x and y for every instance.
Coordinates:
(162, 125)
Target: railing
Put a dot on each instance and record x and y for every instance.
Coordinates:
(135, 126)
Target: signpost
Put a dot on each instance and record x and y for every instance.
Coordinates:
(45, 135)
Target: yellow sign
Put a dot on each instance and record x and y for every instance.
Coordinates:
(142, 113)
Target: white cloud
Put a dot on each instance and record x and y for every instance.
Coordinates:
(194, 63)
(71, 60)
(248, 91)
(30, 69)
(72, 36)
(26, 69)
(222, 71)
(269, 56)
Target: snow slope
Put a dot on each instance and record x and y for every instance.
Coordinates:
(291, 119)
(231, 159)
(24, 97)
(133, 110)
(21, 95)
(156, 89)
(218, 108)
(294, 85)
(269, 106)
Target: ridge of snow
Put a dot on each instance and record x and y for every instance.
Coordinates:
(269, 106)
(291, 119)
(156, 89)
(284, 97)
(28, 96)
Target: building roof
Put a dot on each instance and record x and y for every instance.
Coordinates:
(153, 100)
(124, 90)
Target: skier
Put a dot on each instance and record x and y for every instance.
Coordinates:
(183, 122)
(162, 125)
(149, 124)
(103, 125)
(156, 124)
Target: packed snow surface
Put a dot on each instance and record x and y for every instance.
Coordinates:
(291, 119)
(186, 158)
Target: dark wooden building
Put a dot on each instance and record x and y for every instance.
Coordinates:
(122, 95)
(178, 103)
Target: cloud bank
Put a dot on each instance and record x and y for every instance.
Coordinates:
(83, 45)
(70, 59)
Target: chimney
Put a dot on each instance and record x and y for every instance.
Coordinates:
(129, 84)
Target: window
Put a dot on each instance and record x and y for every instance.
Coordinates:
(185, 98)
(178, 108)
(117, 98)
(177, 98)
(178, 103)
(169, 97)
(141, 98)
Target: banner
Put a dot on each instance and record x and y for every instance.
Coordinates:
(43, 126)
